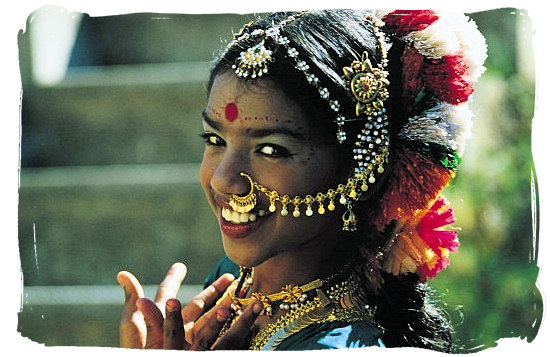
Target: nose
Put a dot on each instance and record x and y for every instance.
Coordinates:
(226, 178)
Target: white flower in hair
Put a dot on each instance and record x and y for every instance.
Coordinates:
(381, 13)
(435, 41)
(444, 124)
(472, 43)
(459, 118)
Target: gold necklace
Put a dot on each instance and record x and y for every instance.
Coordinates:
(336, 298)
(340, 301)
(290, 296)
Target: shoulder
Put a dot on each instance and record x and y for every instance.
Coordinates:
(335, 335)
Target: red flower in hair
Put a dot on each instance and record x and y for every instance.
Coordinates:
(446, 77)
(403, 22)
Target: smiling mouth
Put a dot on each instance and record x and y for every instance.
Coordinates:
(240, 218)
(239, 225)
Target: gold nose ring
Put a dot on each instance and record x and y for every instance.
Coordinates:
(243, 204)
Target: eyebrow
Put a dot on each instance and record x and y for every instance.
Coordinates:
(260, 132)
(209, 121)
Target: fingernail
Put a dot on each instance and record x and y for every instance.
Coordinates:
(178, 267)
(172, 305)
(258, 306)
(119, 279)
(221, 315)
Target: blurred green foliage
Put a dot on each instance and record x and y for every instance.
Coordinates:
(490, 285)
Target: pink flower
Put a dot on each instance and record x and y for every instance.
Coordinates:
(440, 241)
(439, 215)
(422, 245)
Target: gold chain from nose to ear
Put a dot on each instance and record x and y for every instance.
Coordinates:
(344, 194)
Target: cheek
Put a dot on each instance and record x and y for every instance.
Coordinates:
(305, 161)
(321, 169)
(307, 177)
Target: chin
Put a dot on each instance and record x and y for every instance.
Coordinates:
(246, 256)
(243, 260)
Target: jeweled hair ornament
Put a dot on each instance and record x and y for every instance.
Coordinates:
(368, 87)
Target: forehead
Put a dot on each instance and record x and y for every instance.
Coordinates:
(233, 101)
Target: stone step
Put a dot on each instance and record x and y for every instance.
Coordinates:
(133, 92)
(81, 225)
(142, 124)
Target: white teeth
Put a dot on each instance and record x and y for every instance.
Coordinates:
(236, 217)
(226, 214)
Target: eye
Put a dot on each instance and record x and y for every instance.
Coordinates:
(212, 139)
(275, 151)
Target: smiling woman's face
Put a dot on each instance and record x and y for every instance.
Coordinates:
(256, 129)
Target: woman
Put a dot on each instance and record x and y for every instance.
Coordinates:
(329, 138)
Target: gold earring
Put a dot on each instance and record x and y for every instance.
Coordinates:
(243, 204)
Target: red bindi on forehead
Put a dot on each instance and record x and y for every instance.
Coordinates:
(231, 112)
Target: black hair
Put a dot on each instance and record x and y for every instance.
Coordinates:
(329, 40)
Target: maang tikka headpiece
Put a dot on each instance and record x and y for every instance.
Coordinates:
(368, 86)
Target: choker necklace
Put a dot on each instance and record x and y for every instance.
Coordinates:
(336, 298)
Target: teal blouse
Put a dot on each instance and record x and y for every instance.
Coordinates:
(329, 335)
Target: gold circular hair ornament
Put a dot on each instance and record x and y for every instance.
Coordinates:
(368, 85)
(243, 204)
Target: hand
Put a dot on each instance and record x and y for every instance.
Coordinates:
(239, 334)
(163, 324)
(205, 330)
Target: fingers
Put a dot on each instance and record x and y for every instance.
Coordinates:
(153, 322)
(174, 334)
(163, 333)
(207, 328)
(200, 303)
(132, 330)
(238, 336)
(144, 326)
(132, 290)
(223, 304)
(169, 287)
